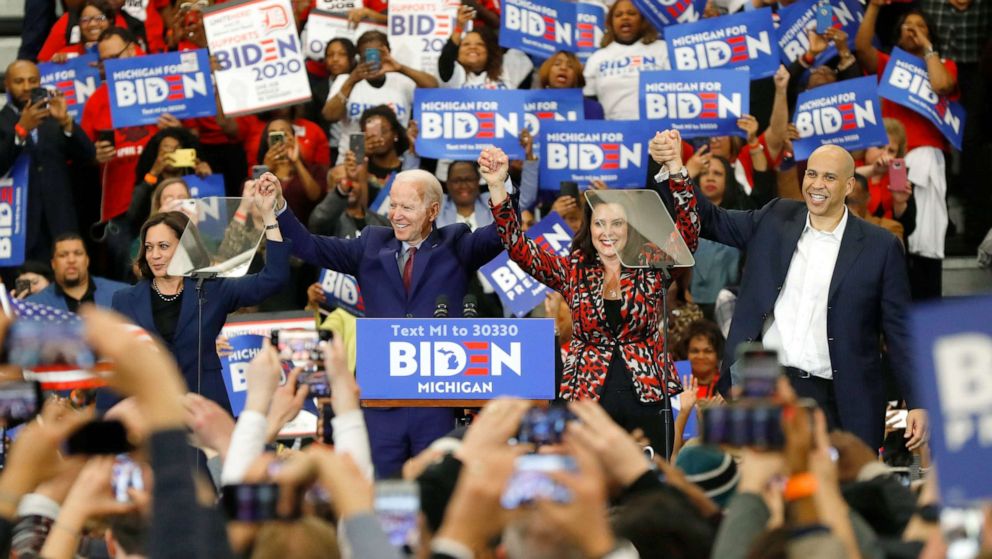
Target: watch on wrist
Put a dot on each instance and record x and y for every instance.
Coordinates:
(927, 53)
(683, 173)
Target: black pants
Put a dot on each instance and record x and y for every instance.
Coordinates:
(819, 389)
(619, 398)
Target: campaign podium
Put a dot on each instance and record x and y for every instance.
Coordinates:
(454, 362)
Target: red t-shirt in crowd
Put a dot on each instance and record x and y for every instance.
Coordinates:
(314, 147)
(117, 175)
(919, 130)
(56, 37)
(879, 196)
(708, 390)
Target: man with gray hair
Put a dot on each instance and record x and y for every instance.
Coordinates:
(401, 271)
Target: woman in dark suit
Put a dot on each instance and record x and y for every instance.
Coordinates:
(166, 305)
(616, 350)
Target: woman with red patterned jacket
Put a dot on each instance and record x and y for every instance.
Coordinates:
(615, 355)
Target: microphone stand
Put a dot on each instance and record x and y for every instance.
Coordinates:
(199, 277)
(666, 364)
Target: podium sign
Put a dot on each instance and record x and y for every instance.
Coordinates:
(456, 358)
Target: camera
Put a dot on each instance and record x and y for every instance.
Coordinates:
(530, 480)
(19, 401)
(40, 95)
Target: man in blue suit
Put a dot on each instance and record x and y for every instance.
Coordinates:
(402, 271)
(73, 283)
(820, 286)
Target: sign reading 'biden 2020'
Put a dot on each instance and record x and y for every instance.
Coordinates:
(456, 359)
(144, 88)
(740, 41)
(847, 114)
(459, 123)
(613, 151)
(701, 103)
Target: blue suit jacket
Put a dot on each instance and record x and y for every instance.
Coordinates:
(444, 264)
(102, 295)
(220, 297)
(868, 296)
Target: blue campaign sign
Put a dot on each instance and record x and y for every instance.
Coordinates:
(796, 18)
(341, 291)
(905, 81)
(550, 104)
(456, 359)
(701, 103)
(459, 123)
(234, 364)
(613, 151)
(953, 350)
(539, 28)
(745, 40)
(590, 25)
(145, 87)
(14, 212)
(204, 187)
(684, 369)
(77, 79)
(519, 291)
(662, 13)
(846, 113)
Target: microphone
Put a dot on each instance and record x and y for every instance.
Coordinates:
(470, 306)
(441, 306)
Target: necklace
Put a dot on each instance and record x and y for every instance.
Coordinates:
(167, 298)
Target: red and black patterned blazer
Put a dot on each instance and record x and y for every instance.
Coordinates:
(593, 342)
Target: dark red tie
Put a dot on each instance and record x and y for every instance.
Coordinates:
(408, 268)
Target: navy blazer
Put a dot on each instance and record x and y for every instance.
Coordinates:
(444, 264)
(220, 297)
(50, 193)
(869, 296)
(103, 294)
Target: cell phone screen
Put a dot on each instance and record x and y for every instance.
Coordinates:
(530, 480)
(126, 476)
(356, 143)
(56, 345)
(250, 502)
(19, 401)
(258, 170)
(397, 504)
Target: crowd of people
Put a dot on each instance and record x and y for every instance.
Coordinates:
(818, 261)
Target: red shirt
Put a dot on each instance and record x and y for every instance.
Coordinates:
(56, 37)
(879, 196)
(314, 147)
(919, 130)
(117, 175)
(708, 390)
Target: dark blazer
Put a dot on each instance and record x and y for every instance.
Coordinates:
(50, 185)
(444, 264)
(868, 297)
(220, 297)
(102, 295)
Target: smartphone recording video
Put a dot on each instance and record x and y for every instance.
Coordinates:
(254, 503)
(544, 426)
(759, 370)
(54, 345)
(19, 402)
(397, 504)
(531, 480)
(356, 143)
(126, 476)
(99, 437)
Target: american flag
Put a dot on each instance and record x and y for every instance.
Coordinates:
(26, 310)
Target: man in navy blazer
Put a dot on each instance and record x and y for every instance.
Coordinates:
(821, 286)
(73, 283)
(402, 271)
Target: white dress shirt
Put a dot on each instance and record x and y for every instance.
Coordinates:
(799, 330)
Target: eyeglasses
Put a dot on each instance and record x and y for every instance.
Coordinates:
(92, 19)
(115, 56)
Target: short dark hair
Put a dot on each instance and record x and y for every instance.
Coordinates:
(71, 236)
(125, 35)
(385, 112)
(931, 27)
(36, 267)
(664, 523)
(705, 328)
(373, 35)
(176, 221)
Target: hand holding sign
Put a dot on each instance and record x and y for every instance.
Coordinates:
(817, 42)
(917, 429)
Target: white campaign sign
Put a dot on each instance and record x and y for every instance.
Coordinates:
(321, 27)
(338, 5)
(259, 55)
(418, 30)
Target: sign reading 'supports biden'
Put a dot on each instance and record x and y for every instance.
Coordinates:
(701, 103)
(455, 359)
(144, 88)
